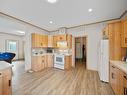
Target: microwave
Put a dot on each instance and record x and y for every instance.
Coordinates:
(50, 50)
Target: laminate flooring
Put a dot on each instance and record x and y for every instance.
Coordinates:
(51, 81)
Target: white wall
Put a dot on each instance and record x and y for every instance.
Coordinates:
(10, 25)
(4, 37)
(93, 33)
(27, 40)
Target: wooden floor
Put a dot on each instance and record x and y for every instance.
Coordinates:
(77, 81)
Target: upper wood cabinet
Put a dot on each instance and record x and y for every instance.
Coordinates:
(50, 41)
(55, 41)
(64, 37)
(124, 33)
(39, 40)
(113, 32)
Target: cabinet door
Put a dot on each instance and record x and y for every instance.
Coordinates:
(62, 37)
(124, 33)
(55, 41)
(50, 60)
(7, 88)
(124, 84)
(69, 41)
(50, 41)
(1, 84)
(113, 79)
(36, 63)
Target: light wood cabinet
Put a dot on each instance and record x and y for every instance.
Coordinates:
(69, 41)
(5, 82)
(118, 80)
(50, 60)
(41, 62)
(114, 79)
(1, 84)
(64, 37)
(39, 40)
(55, 41)
(113, 31)
(124, 84)
(38, 63)
(68, 62)
(124, 33)
(50, 41)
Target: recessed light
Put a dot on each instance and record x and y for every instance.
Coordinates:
(90, 10)
(50, 22)
(52, 1)
(21, 32)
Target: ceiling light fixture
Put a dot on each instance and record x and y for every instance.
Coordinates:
(90, 10)
(21, 32)
(50, 22)
(52, 1)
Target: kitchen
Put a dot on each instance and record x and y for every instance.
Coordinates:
(47, 38)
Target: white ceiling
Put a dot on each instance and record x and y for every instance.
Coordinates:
(64, 13)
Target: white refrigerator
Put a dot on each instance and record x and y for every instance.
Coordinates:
(103, 62)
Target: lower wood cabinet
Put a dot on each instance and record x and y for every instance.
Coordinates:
(124, 84)
(5, 82)
(68, 62)
(118, 81)
(50, 60)
(41, 62)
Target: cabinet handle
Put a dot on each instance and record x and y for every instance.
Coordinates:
(113, 76)
(113, 67)
(125, 91)
(125, 77)
(9, 83)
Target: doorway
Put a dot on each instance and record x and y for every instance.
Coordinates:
(81, 51)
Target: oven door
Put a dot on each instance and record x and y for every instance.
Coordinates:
(59, 59)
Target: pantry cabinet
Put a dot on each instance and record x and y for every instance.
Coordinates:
(124, 33)
(113, 32)
(39, 40)
(5, 82)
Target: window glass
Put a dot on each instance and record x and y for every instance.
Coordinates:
(12, 46)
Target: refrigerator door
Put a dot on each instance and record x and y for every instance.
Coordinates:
(104, 61)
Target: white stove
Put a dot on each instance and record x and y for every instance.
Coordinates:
(59, 61)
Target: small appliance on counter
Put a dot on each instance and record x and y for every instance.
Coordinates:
(124, 58)
(50, 50)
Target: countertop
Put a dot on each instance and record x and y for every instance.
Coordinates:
(120, 65)
(49, 54)
(4, 65)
